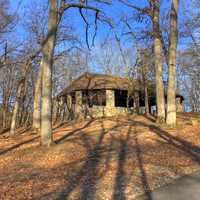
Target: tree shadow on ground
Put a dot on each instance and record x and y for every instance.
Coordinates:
(18, 145)
(144, 179)
(183, 145)
(84, 178)
(189, 149)
(87, 176)
(120, 179)
(150, 118)
(4, 130)
(64, 137)
(19, 131)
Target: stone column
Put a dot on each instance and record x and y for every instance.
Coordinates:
(69, 102)
(179, 105)
(78, 108)
(137, 102)
(70, 111)
(110, 98)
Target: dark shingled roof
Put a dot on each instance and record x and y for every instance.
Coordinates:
(89, 81)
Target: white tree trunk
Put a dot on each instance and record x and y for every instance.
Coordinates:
(16, 108)
(171, 91)
(160, 99)
(146, 99)
(37, 101)
(47, 62)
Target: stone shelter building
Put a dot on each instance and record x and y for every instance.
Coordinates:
(100, 95)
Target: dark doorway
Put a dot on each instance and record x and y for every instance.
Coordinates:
(121, 98)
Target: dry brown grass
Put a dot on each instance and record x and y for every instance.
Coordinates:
(113, 158)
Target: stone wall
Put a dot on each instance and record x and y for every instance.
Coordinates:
(78, 105)
(79, 110)
(83, 111)
(105, 111)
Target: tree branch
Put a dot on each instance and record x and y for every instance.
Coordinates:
(80, 6)
(87, 27)
(146, 11)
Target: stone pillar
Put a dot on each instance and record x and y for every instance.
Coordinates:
(69, 102)
(179, 105)
(70, 110)
(136, 102)
(110, 98)
(78, 107)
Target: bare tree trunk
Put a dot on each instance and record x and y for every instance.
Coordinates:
(27, 121)
(5, 113)
(137, 102)
(4, 117)
(16, 107)
(22, 109)
(144, 82)
(47, 62)
(171, 91)
(146, 99)
(55, 111)
(160, 100)
(37, 101)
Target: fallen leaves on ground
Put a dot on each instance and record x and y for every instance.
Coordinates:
(112, 158)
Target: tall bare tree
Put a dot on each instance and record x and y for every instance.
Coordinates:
(37, 101)
(46, 67)
(7, 85)
(160, 99)
(7, 24)
(152, 11)
(20, 90)
(171, 90)
(55, 14)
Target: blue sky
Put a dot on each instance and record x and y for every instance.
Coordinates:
(116, 11)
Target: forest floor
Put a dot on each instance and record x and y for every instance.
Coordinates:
(113, 158)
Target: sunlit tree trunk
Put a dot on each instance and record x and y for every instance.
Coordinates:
(146, 99)
(160, 100)
(16, 107)
(5, 104)
(137, 102)
(144, 82)
(4, 116)
(37, 101)
(47, 62)
(22, 108)
(171, 91)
